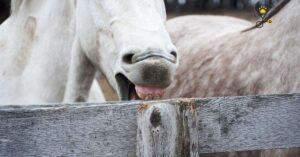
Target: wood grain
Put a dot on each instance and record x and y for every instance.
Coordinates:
(186, 127)
(164, 130)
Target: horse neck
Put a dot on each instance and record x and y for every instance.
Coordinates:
(281, 37)
(30, 20)
(276, 43)
(287, 21)
(24, 8)
(46, 14)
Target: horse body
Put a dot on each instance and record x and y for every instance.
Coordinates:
(217, 60)
(52, 49)
(232, 63)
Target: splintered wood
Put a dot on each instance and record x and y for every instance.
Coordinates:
(144, 106)
(191, 105)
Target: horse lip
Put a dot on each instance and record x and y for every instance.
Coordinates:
(145, 56)
(125, 87)
(151, 72)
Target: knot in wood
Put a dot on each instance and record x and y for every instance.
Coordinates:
(155, 118)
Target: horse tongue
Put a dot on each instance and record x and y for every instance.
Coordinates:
(149, 92)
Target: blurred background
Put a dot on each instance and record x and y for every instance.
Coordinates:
(238, 8)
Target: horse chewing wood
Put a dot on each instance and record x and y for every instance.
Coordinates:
(221, 57)
(51, 50)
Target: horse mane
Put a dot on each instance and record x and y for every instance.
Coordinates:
(270, 14)
(15, 5)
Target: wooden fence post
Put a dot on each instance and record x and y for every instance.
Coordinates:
(166, 130)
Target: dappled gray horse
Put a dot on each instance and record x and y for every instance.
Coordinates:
(50, 50)
(220, 56)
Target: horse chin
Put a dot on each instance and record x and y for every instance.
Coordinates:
(130, 91)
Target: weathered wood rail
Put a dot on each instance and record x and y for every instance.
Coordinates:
(180, 127)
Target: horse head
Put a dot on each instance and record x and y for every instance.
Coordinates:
(127, 41)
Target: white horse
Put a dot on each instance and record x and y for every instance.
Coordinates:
(50, 50)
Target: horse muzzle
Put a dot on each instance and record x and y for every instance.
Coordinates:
(146, 76)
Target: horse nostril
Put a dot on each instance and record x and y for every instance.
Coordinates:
(128, 58)
(174, 53)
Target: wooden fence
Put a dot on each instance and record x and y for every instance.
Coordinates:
(180, 127)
